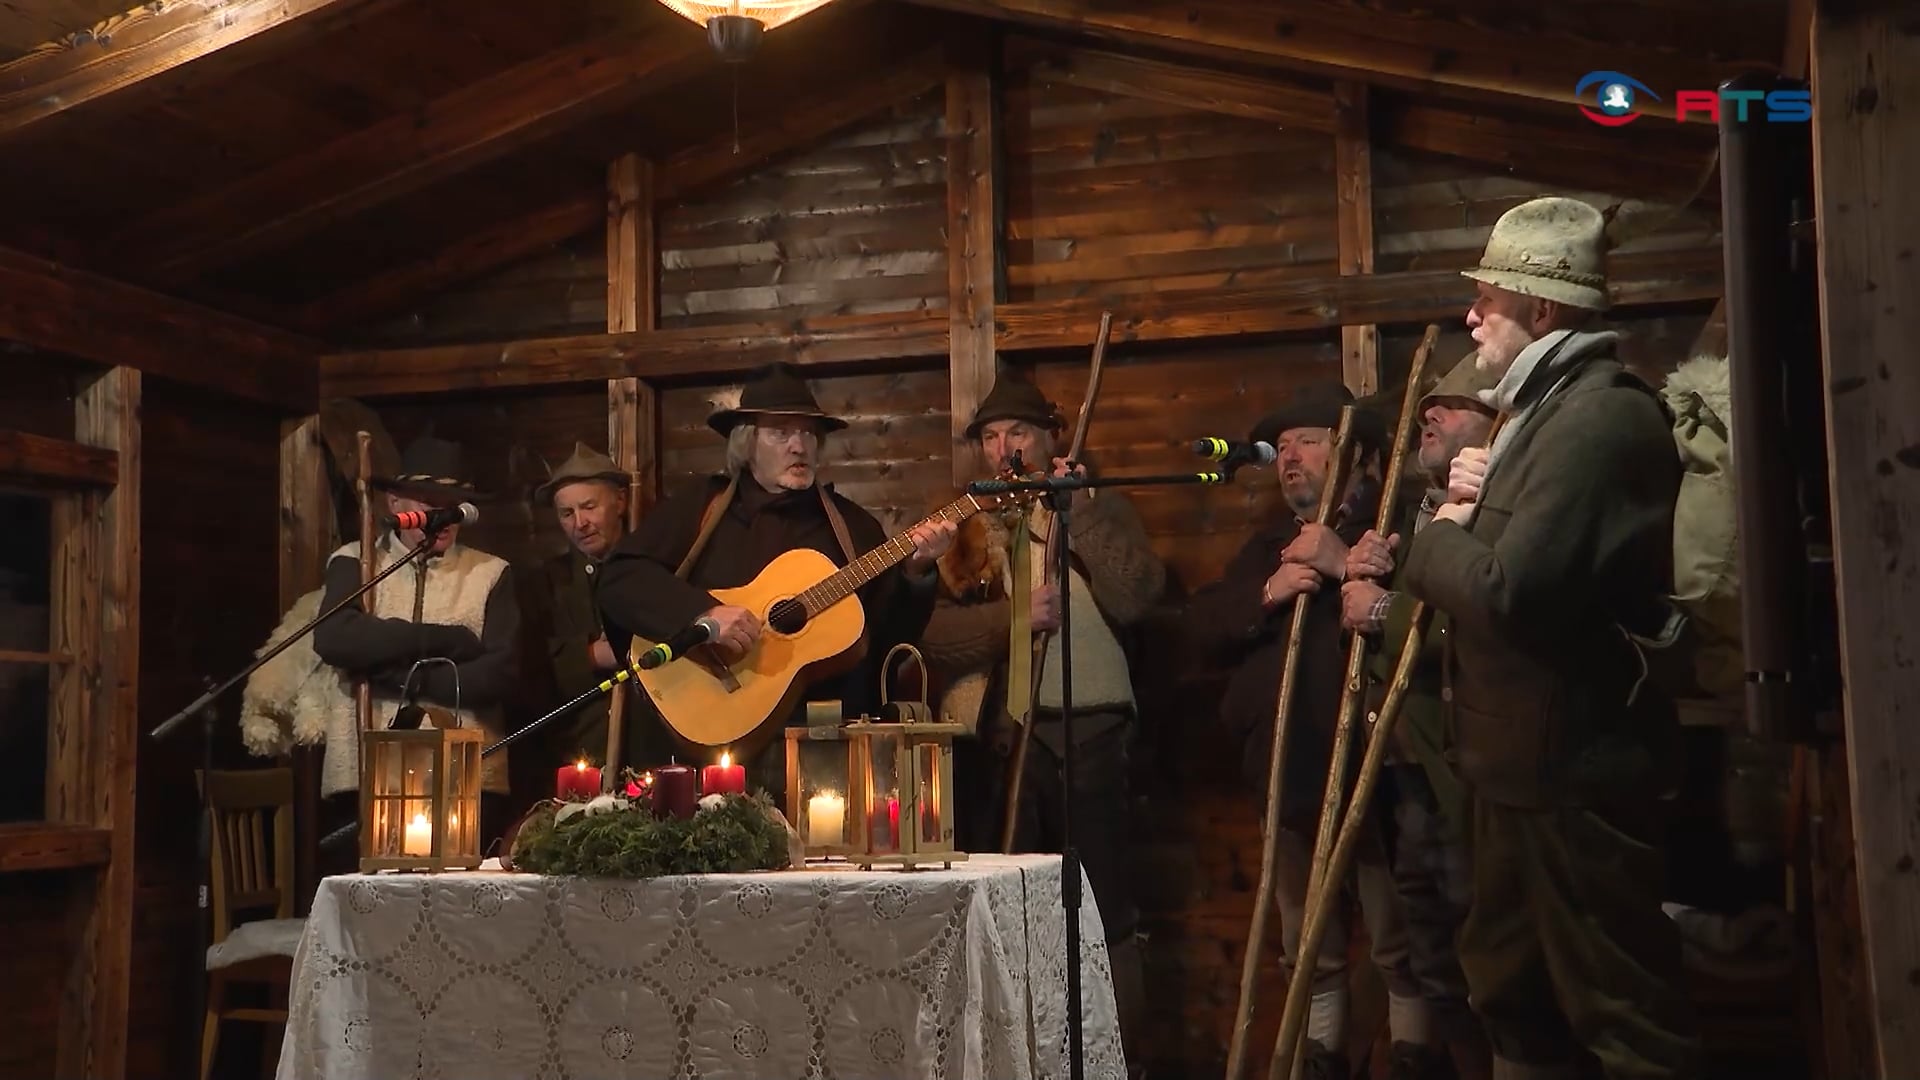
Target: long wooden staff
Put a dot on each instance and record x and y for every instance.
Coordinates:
(363, 484)
(617, 711)
(1351, 692)
(1286, 1044)
(1016, 770)
(1283, 710)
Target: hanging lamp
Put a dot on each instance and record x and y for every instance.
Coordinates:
(734, 27)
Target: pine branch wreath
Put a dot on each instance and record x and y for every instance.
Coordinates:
(737, 834)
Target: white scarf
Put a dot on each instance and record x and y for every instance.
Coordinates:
(1526, 385)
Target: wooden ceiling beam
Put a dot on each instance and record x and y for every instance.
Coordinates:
(151, 45)
(1251, 97)
(684, 173)
(472, 125)
(921, 338)
(63, 310)
(1414, 50)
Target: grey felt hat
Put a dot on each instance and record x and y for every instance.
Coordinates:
(1550, 248)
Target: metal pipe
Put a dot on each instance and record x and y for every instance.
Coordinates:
(1766, 321)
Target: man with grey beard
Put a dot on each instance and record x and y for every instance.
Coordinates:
(1430, 864)
(1553, 560)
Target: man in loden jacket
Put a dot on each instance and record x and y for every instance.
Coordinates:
(1117, 577)
(1553, 565)
(1431, 867)
(1243, 621)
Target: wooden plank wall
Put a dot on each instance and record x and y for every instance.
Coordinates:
(209, 479)
(1105, 196)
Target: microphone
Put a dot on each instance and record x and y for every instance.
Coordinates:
(432, 521)
(1235, 453)
(704, 629)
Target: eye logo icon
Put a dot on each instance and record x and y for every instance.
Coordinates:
(1613, 95)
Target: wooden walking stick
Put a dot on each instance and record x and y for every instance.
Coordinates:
(1016, 769)
(1286, 1044)
(617, 710)
(1283, 711)
(1351, 693)
(363, 484)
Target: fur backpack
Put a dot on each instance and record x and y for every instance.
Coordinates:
(1706, 573)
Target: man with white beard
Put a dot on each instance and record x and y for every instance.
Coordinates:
(1552, 554)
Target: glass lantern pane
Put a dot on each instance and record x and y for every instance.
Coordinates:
(926, 760)
(825, 783)
(883, 781)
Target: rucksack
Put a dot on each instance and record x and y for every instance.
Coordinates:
(1706, 572)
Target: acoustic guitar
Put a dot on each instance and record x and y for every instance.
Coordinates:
(810, 624)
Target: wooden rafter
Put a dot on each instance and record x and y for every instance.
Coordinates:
(1353, 199)
(974, 285)
(919, 338)
(1423, 51)
(144, 46)
(1189, 86)
(70, 311)
(402, 154)
(792, 127)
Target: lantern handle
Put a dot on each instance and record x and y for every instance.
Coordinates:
(406, 687)
(887, 664)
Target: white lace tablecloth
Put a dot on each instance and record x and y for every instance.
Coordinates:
(825, 974)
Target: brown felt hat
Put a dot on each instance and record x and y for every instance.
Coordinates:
(585, 464)
(777, 389)
(1014, 399)
(1465, 382)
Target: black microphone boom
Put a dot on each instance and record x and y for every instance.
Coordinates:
(1235, 453)
(432, 521)
(702, 630)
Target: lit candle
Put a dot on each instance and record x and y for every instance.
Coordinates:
(419, 840)
(826, 819)
(723, 778)
(578, 779)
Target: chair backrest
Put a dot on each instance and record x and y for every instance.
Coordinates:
(252, 843)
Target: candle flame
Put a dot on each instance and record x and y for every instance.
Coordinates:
(420, 819)
(580, 765)
(724, 758)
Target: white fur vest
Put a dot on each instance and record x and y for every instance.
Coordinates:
(296, 698)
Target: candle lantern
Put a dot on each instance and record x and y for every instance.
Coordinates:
(420, 797)
(874, 792)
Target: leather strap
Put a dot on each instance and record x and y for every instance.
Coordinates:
(709, 520)
(1020, 642)
(839, 524)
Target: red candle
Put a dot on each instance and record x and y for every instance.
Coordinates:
(673, 791)
(577, 780)
(723, 778)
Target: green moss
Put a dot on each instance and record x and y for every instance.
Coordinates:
(739, 835)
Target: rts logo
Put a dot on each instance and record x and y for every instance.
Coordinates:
(1614, 96)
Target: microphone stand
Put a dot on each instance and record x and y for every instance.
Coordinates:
(174, 721)
(1058, 491)
(352, 828)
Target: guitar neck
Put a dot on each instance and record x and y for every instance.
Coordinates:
(857, 573)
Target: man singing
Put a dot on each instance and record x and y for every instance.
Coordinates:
(1555, 554)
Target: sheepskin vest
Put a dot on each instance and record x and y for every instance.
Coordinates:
(296, 698)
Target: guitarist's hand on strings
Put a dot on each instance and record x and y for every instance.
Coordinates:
(739, 629)
(931, 539)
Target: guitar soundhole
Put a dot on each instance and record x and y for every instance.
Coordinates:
(787, 616)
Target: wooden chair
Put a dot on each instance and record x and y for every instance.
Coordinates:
(252, 871)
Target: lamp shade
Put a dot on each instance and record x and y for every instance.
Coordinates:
(768, 13)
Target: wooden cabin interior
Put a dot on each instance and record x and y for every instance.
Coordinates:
(237, 230)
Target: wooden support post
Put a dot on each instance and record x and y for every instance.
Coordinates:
(1866, 75)
(93, 733)
(1353, 173)
(975, 284)
(633, 304)
(307, 537)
